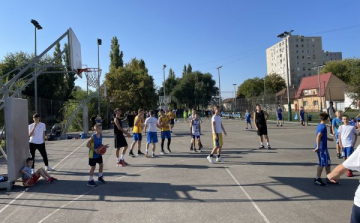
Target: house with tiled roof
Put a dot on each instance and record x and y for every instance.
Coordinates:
(315, 92)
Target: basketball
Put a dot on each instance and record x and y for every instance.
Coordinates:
(102, 149)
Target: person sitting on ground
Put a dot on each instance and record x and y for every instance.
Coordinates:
(27, 174)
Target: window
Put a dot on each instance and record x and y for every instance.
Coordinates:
(297, 51)
(303, 68)
(303, 57)
(314, 57)
(305, 103)
(315, 103)
(297, 57)
(297, 45)
(302, 45)
(313, 45)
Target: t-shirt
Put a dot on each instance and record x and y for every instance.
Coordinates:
(247, 116)
(27, 170)
(97, 142)
(321, 128)
(217, 120)
(331, 112)
(279, 111)
(347, 133)
(138, 127)
(302, 113)
(165, 123)
(353, 163)
(171, 115)
(195, 130)
(336, 122)
(151, 122)
(38, 136)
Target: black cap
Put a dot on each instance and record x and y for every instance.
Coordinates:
(36, 115)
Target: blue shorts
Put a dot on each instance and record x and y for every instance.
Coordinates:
(137, 137)
(347, 151)
(279, 117)
(166, 134)
(248, 121)
(302, 118)
(152, 137)
(197, 136)
(324, 157)
(337, 138)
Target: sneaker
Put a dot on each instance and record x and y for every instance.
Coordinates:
(330, 182)
(195, 150)
(246, 128)
(131, 153)
(101, 179)
(53, 179)
(169, 150)
(121, 163)
(49, 168)
(277, 125)
(153, 155)
(201, 146)
(191, 148)
(210, 159)
(162, 152)
(261, 147)
(200, 150)
(281, 125)
(350, 174)
(147, 155)
(319, 182)
(269, 147)
(125, 163)
(91, 183)
(219, 159)
(49, 180)
(338, 156)
(140, 153)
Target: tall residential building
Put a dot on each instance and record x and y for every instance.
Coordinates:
(297, 55)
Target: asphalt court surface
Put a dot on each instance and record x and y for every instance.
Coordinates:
(252, 185)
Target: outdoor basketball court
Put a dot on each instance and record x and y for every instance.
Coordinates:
(251, 186)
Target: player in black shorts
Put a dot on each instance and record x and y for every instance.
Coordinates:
(120, 141)
(260, 117)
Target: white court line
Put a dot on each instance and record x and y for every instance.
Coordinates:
(248, 196)
(54, 212)
(6, 206)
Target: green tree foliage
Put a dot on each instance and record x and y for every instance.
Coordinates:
(189, 69)
(274, 83)
(252, 87)
(69, 82)
(184, 70)
(131, 86)
(116, 56)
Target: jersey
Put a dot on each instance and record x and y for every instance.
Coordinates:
(165, 119)
(97, 142)
(302, 113)
(321, 128)
(247, 116)
(260, 118)
(138, 127)
(116, 130)
(336, 122)
(195, 130)
(171, 115)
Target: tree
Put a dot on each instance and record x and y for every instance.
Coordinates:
(274, 83)
(189, 69)
(252, 87)
(184, 70)
(170, 83)
(116, 56)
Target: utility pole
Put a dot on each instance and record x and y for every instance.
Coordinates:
(234, 96)
(37, 26)
(99, 42)
(318, 68)
(164, 66)
(219, 86)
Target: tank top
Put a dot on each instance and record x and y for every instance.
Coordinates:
(165, 127)
(195, 127)
(260, 118)
(97, 142)
(138, 127)
(116, 130)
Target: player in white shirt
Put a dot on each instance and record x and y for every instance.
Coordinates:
(347, 139)
(195, 129)
(150, 130)
(217, 129)
(37, 132)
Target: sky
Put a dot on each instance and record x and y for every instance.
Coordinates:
(206, 33)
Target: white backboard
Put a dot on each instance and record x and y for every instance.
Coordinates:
(75, 52)
(164, 99)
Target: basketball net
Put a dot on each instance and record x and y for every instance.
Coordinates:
(92, 76)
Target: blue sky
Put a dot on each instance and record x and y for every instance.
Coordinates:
(205, 33)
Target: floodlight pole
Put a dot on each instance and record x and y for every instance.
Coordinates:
(234, 97)
(164, 85)
(99, 42)
(218, 68)
(36, 26)
(318, 72)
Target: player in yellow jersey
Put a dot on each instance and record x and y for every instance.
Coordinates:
(171, 115)
(164, 123)
(137, 130)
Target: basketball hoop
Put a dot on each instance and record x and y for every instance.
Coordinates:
(92, 76)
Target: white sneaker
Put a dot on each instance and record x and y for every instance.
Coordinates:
(162, 153)
(210, 159)
(219, 159)
(153, 155)
(49, 168)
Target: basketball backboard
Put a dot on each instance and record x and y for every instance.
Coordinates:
(75, 52)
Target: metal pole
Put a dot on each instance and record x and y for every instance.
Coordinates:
(164, 85)
(35, 84)
(99, 78)
(219, 86)
(287, 79)
(234, 97)
(264, 90)
(320, 101)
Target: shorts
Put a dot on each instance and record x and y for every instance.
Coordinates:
(137, 137)
(347, 151)
(152, 137)
(219, 142)
(262, 130)
(93, 162)
(248, 121)
(172, 122)
(195, 135)
(324, 157)
(31, 182)
(279, 117)
(355, 214)
(302, 118)
(337, 138)
(166, 134)
(120, 141)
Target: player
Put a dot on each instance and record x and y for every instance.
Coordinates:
(331, 112)
(94, 156)
(248, 119)
(195, 126)
(150, 130)
(172, 120)
(336, 122)
(279, 115)
(120, 141)
(164, 123)
(137, 136)
(260, 118)
(27, 174)
(302, 115)
(347, 139)
(322, 150)
(217, 129)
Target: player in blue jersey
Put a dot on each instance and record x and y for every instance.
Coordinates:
(248, 119)
(335, 124)
(279, 115)
(94, 156)
(322, 150)
(302, 116)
